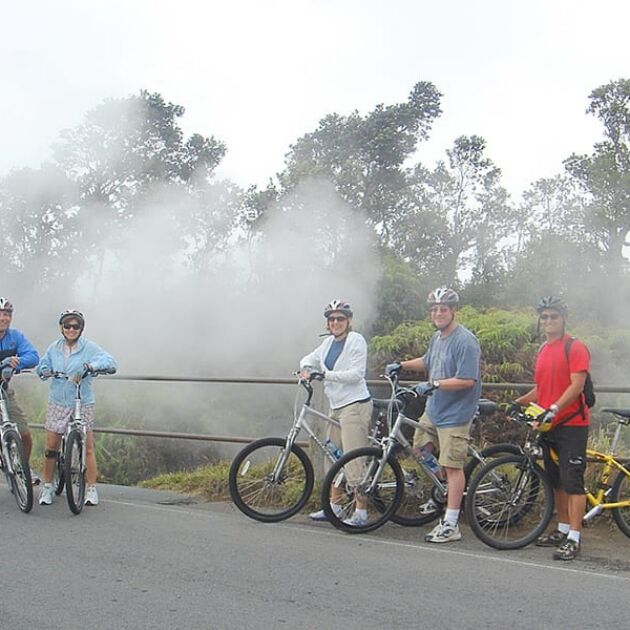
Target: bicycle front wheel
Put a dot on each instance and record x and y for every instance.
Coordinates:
(18, 471)
(509, 503)
(267, 483)
(74, 471)
(621, 492)
(361, 480)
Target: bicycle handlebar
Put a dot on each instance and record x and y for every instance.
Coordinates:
(87, 372)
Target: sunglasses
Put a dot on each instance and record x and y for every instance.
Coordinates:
(551, 316)
(341, 318)
(72, 326)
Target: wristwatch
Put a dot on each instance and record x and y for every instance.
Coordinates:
(436, 384)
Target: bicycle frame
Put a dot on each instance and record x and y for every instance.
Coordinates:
(5, 425)
(300, 423)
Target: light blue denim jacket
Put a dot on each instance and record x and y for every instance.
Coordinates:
(86, 351)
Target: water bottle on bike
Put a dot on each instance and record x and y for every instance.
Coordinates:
(333, 449)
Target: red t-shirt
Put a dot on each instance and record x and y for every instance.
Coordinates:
(553, 376)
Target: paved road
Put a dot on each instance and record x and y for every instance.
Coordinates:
(136, 562)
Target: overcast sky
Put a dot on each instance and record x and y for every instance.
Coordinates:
(259, 74)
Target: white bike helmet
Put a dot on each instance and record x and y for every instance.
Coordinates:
(6, 305)
(443, 295)
(338, 306)
(72, 313)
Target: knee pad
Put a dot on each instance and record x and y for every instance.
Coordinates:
(50, 454)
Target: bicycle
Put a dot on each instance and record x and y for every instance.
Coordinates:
(70, 462)
(511, 500)
(272, 478)
(12, 457)
(395, 480)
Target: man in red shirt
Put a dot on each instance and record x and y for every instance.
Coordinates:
(559, 389)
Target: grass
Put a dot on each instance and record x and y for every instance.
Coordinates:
(211, 483)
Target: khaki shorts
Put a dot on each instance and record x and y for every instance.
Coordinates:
(15, 412)
(450, 442)
(355, 422)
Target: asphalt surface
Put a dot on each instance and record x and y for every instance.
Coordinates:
(149, 559)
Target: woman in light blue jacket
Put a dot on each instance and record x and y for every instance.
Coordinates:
(70, 354)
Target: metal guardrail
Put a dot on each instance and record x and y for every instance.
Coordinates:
(519, 387)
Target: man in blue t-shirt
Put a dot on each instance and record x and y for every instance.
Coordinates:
(21, 355)
(452, 364)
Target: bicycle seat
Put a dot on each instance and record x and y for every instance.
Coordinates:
(384, 403)
(486, 407)
(624, 413)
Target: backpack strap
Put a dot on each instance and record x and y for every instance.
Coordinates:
(567, 351)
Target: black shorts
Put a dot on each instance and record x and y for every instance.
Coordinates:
(570, 445)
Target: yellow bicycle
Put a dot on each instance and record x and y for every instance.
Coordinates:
(510, 502)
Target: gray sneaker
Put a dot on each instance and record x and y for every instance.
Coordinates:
(568, 550)
(443, 532)
(554, 539)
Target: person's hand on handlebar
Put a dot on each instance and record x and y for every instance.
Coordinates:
(393, 368)
(425, 388)
(514, 409)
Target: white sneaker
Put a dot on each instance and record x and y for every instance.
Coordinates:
(91, 496)
(357, 520)
(443, 532)
(320, 515)
(47, 495)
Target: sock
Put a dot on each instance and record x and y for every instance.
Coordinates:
(48, 485)
(574, 535)
(564, 528)
(451, 516)
(362, 513)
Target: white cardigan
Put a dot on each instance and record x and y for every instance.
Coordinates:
(346, 383)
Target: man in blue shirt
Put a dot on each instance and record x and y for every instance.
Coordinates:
(452, 364)
(22, 356)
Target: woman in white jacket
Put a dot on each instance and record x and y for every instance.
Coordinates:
(342, 359)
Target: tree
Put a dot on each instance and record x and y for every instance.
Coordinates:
(363, 156)
(605, 174)
(456, 215)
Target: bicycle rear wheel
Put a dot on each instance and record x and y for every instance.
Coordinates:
(621, 492)
(74, 471)
(418, 489)
(263, 488)
(509, 503)
(354, 480)
(58, 481)
(18, 471)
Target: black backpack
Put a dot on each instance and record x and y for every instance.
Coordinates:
(588, 391)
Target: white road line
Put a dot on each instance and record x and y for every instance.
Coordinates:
(380, 541)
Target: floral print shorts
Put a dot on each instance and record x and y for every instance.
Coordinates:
(58, 417)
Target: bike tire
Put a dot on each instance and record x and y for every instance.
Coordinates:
(509, 503)
(74, 471)
(419, 487)
(20, 477)
(256, 495)
(621, 492)
(382, 502)
(473, 465)
(58, 481)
